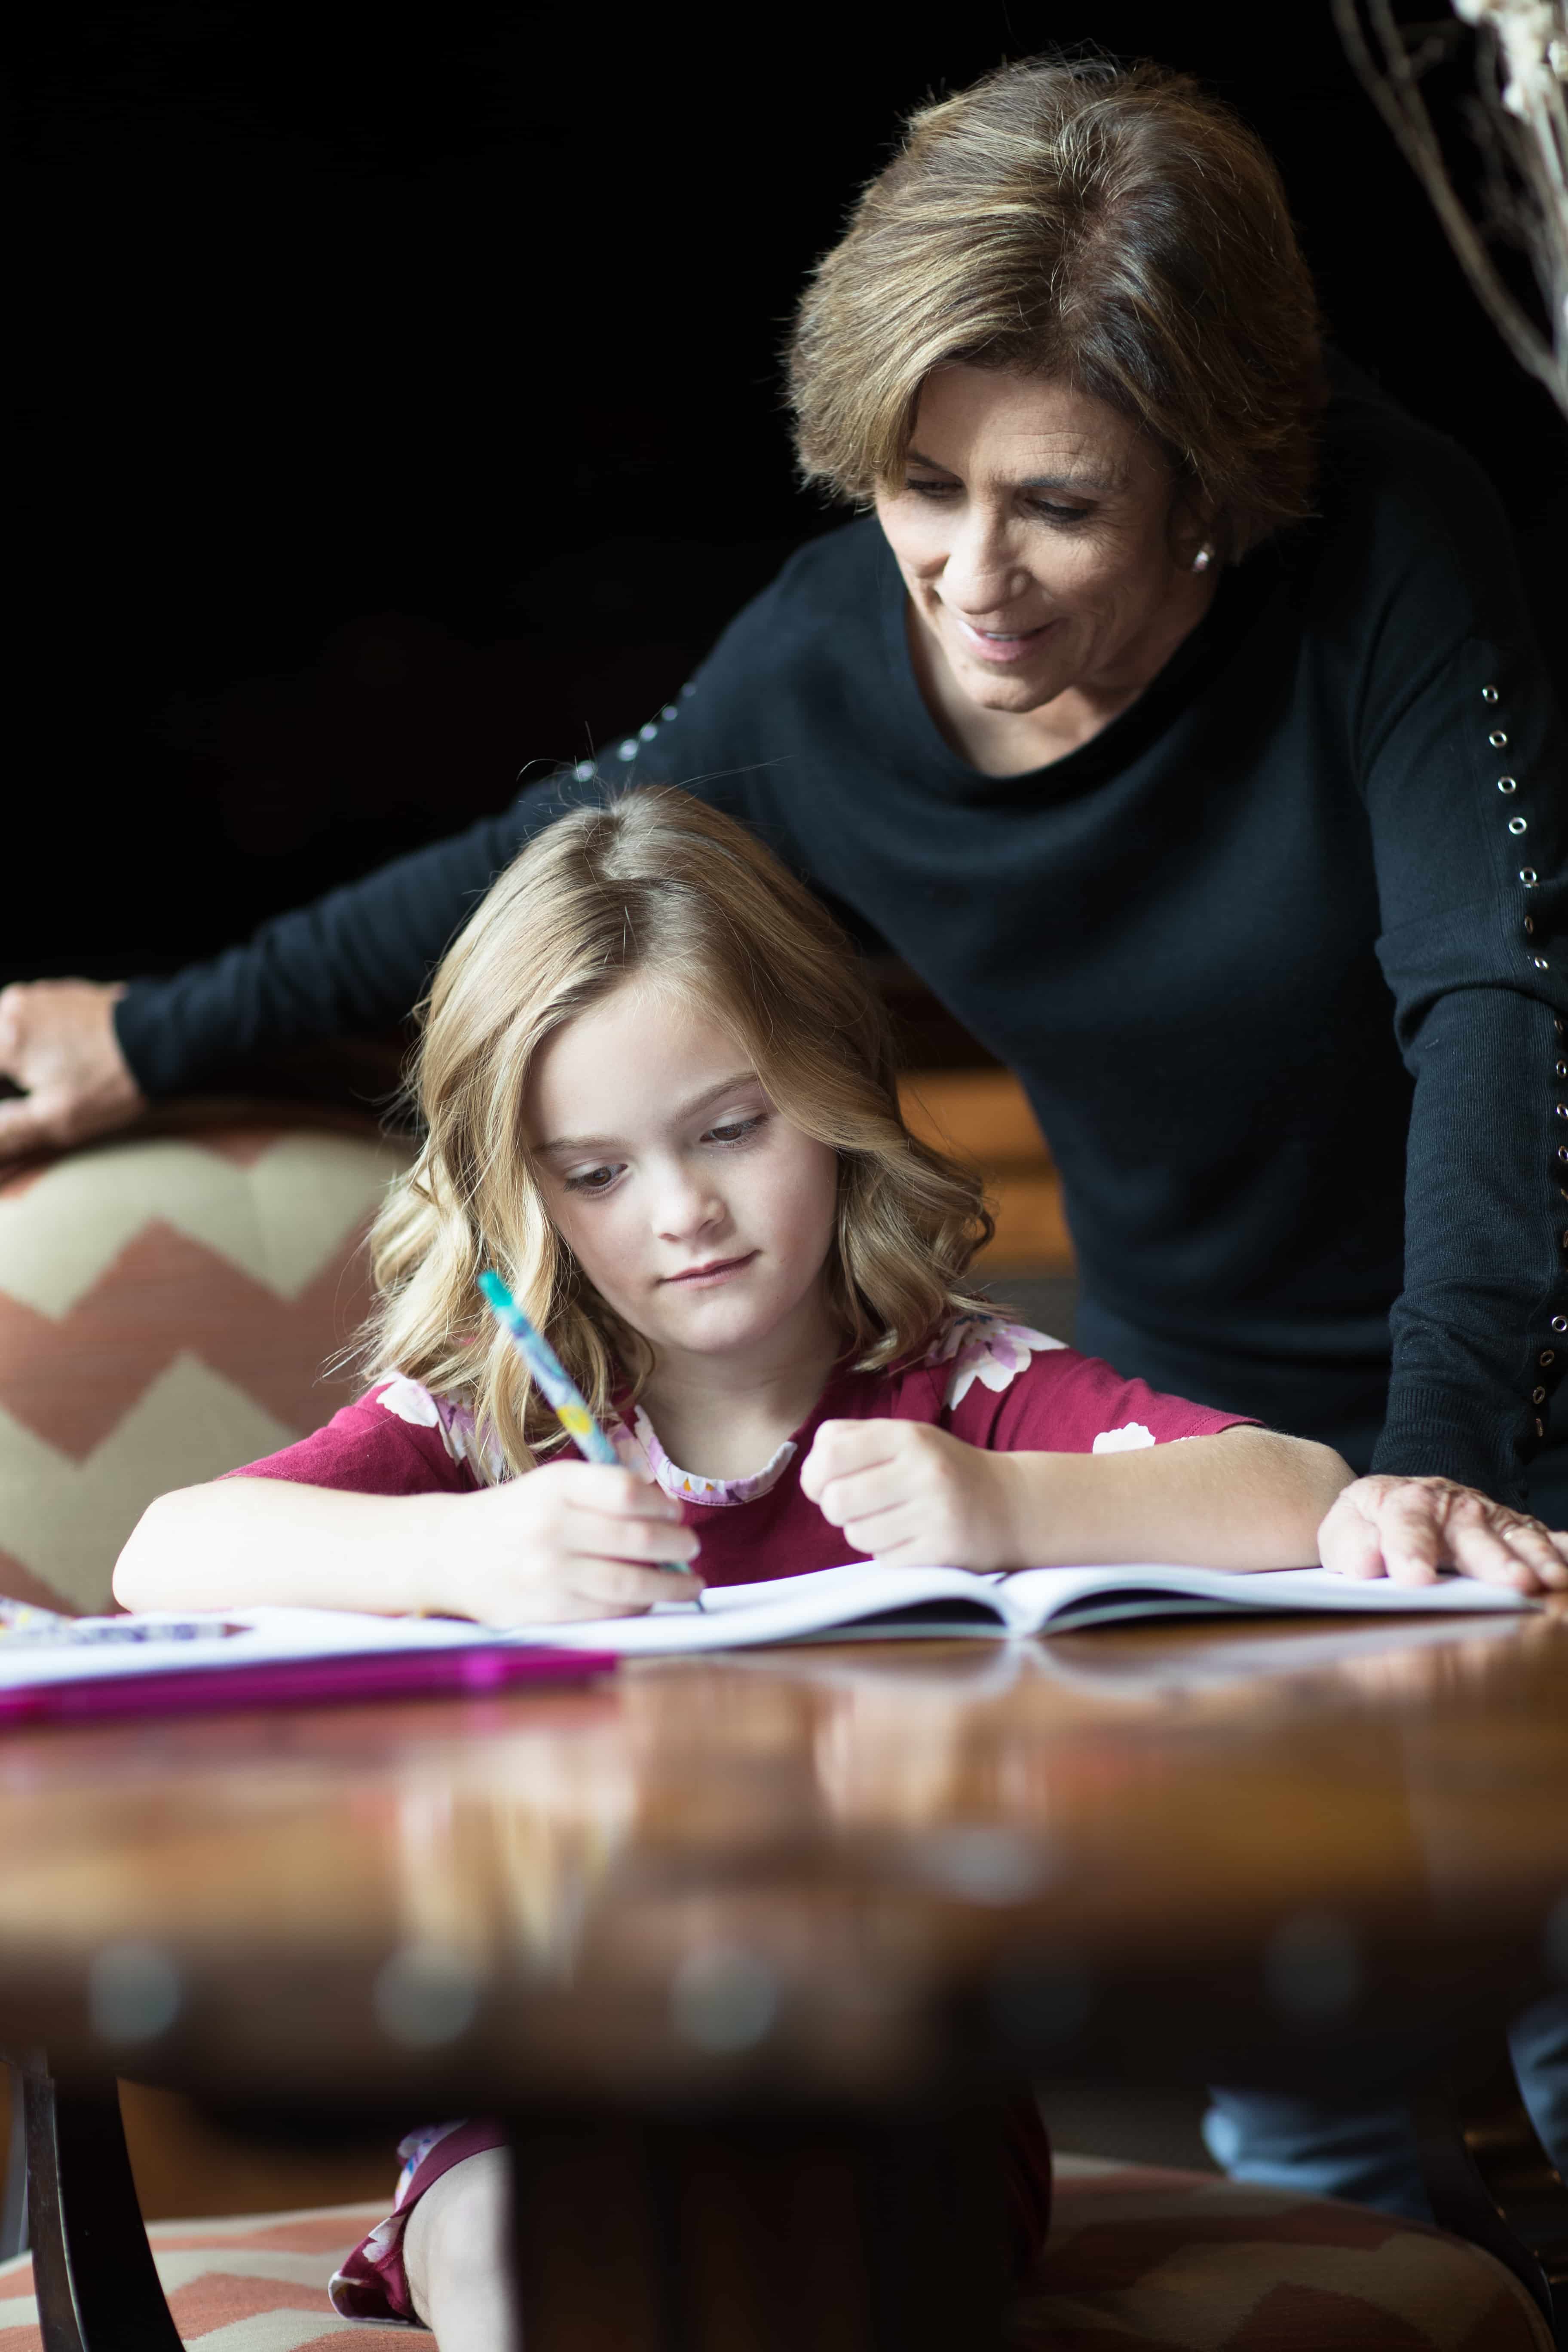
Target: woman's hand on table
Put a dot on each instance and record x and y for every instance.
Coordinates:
(1410, 1529)
(58, 1044)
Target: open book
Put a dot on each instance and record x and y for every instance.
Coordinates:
(247, 1656)
(868, 1602)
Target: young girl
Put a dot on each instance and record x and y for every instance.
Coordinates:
(658, 1097)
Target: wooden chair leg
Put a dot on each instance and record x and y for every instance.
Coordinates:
(93, 2273)
(1492, 2181)
(845, 2233)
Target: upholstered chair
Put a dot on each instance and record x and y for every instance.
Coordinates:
(168, 1300)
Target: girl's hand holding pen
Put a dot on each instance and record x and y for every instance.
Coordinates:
(572, 1539)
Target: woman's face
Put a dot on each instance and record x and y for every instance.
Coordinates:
(698, 1212)
(1031, 529)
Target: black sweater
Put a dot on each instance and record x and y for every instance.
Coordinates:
(1277, 955)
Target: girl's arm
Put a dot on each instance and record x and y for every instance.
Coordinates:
(252, 1542)
(1245, 1499)
(572, 1539)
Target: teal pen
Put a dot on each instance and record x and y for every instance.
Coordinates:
(554, 1382)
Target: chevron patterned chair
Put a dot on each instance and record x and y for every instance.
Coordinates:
(1139, 2262)
(167, 1300)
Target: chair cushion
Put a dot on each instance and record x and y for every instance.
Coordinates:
(1139, 2261)
(1147, 2261)
(268, 2269)
(167, 1302)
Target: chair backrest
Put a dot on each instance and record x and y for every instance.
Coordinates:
(168, 1300)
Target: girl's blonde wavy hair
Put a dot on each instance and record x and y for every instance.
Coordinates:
(657, 886)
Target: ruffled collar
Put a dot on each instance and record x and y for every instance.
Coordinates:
(641, 1447)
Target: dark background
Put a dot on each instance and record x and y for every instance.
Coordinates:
(399, 396)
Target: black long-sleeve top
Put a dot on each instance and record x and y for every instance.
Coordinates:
(1279, 955)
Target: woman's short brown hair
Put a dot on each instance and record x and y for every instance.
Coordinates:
(1115, 225)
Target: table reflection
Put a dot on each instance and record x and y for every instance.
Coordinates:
(864, 1826)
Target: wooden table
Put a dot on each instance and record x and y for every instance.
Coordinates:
(752, 1948)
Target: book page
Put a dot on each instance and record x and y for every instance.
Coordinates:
(1045, 1600)
(861, 1585)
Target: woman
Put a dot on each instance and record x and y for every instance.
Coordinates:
(1177, 714)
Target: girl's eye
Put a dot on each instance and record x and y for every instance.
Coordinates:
(736, 1130)
(930, 490)
(592, 1180)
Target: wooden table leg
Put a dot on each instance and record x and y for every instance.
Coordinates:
(1491, 2181)
(93, 2273)
(14, 2203)
(848, 2234)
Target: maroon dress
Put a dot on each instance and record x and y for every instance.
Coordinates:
(996, 1384)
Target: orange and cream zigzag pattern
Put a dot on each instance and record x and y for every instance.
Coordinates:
(166, 1305)
(1139, 2261)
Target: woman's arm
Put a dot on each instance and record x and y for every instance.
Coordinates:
(573, 1540)
(909, 1491)
(358, 959)
(1463, 762)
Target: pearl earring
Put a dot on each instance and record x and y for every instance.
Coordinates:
(1204, 557)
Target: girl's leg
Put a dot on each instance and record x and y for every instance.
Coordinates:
(457, 2256)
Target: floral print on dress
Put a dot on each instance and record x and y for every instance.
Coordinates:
(373, 2283)
(987, 1348)
(423, 1409)
(1126, 1439)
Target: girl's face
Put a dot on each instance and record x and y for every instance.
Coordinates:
(701, 1216)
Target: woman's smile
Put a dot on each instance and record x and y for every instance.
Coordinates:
(1001, 644)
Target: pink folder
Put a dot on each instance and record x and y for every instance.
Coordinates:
(302, 1682)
